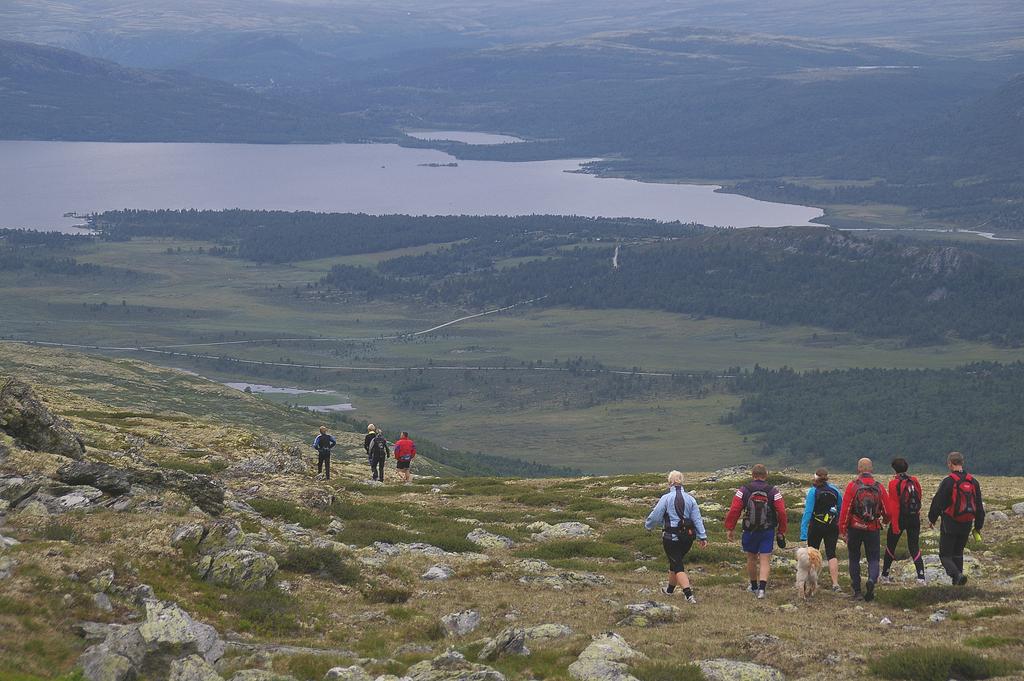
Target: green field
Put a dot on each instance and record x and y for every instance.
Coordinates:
(189, 297)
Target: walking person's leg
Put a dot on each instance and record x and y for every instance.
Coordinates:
(872, 548)
(752, 570)
(958, 550)
(914, 545)
(831, 543)
(327, 465)
(853, 544)
(892, 540)
(947, 547)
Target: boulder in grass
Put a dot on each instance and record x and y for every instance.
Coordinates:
(733, 670)
(192, 668)
(607, 658)
(452, 666)
(113, 481)
(238, 569)
(461, 623)
(353, 673)
(510, 641)
(489, 540)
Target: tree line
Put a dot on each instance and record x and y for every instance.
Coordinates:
(919, 414)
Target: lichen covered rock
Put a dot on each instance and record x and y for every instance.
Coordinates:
(733, 670)
(31, 423)
(238, 569)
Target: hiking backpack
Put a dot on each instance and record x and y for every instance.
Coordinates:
(826, 503)
(759, 511)
(910, 496)
(378, 447)
(867, 502)
(964, 505)
(686, 527)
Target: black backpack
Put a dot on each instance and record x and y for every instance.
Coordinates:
(826, 504)
(686, 528)
(760, 514)
(910, 497)
(378, 447)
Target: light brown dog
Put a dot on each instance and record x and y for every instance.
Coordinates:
(808, 565)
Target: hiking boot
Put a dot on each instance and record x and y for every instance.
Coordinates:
(885, 579)
(869, 591)
(921, 580)
(760, 594)
(750, 589)
(857, 596)
(664, 590)
(691, 599)
(961, 580)
(836, 589)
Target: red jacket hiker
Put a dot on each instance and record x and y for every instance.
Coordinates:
(894, 510)
(405, 450)
(848, 519)
(739, 503)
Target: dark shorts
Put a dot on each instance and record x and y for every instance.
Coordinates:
(818, 533)
(761, 541)
(676, 551)
(403, 465)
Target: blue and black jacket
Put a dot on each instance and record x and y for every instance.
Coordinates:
(812, 497)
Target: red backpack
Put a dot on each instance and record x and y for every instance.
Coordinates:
(867, 502)
(964, 503)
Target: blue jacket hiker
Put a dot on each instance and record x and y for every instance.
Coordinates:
(323, 444)
(820, 523)
(678, 514)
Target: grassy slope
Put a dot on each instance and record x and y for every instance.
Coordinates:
(36, 634)
(199, 298)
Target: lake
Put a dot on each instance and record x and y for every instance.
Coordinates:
(40, 181)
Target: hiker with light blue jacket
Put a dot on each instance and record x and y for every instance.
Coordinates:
(820, 523)
(678, 514)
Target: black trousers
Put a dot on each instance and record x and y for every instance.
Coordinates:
(323, 462)
(952, 540)
(675, 551)
(818, 533)
(871, 542)
(912, 527)
(377, 466)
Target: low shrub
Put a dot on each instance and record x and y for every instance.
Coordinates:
(196, 467)
(324, 562)
(58, 531)
(939, 664)
(576, 549)
(922, 597)
(265, 612)
(289, 512)
(663, 671)
(386, 593)
(309, 665)
(989, 611)
(990, 641)
(1010, 549)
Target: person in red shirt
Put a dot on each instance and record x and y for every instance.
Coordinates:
(764, 521)
(905, 516)
(405, 452)
(865, 510)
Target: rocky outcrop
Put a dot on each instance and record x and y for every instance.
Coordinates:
(732, 670)
(510, 641)
(452, 666)
(260, 675)
(353, 673)
(547, 632)
(168, 646)
(561, 531)
(605, 659)
(489, 540)
(461, 623)
(192, 668)
(565, 580)
(205, 491)
(1018, 509)
(31, 423)
(648, 614)
(113, 481)
(438, 573)
(237, 569)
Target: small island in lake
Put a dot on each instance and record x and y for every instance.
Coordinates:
(439, 165)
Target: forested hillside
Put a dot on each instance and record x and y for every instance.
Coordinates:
(837, 416)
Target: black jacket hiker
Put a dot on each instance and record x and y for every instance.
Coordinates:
(377, 452)
(323, 444)
(953, 532)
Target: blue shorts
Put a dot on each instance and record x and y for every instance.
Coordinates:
(762, 541)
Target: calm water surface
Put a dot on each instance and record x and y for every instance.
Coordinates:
(40, 181)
